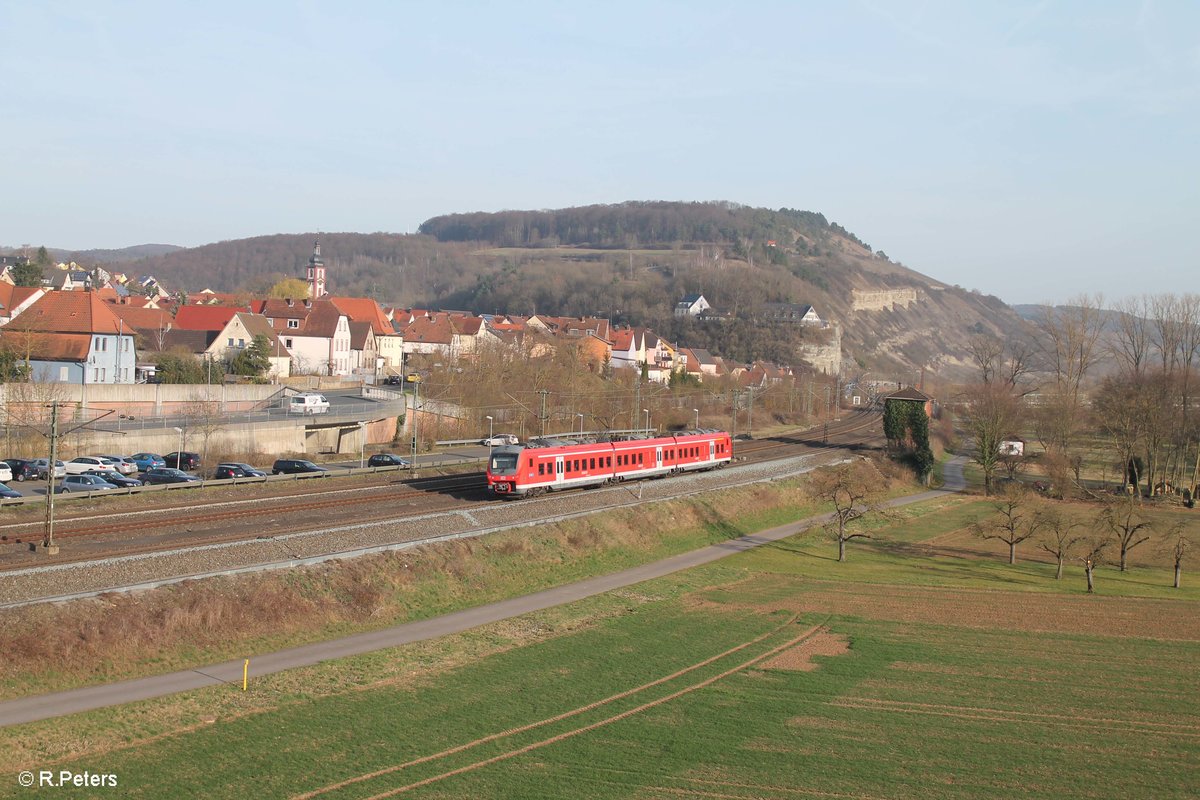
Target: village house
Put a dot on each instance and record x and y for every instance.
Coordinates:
(790, 312)
(692, 305)
(72, 337)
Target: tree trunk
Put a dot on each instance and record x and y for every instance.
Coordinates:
(1012, 552)
(1177, 571)
(1091, 589)
(1058, 575)
(1123, 552)
(841, 549)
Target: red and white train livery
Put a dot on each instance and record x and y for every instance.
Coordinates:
(547, 465)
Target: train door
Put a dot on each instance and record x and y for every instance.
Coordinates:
(658, 458)
(558, 469)
(712, 450)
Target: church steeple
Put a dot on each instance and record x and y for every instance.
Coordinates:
(316, 273)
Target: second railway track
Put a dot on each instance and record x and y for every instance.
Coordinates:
(299, 512)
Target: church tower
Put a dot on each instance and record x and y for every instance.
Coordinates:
(316, 273)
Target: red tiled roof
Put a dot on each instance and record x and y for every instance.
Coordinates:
(49, 346)
(430, 331)
(322, 320)
(69, 312)
(152, 319)
(363, 309)
(203, 318)
(467, 326)
(359, 332)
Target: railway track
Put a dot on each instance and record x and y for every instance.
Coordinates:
(265, 517)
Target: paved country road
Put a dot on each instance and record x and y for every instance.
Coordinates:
(30, 709)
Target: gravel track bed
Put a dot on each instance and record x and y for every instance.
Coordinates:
(51, 582)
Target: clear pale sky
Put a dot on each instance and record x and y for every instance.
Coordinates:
(1031, 150)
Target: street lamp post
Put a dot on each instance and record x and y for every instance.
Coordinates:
(180, 432)
(696, 411)
(580, 423)
(491, 429)
(646, 411)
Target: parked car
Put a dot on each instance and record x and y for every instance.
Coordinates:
(124, 464)
(393, 380)
(387, 460)
(115, 478)
(82, 464)
(167, 475)
(6, 473)
(183, 460)
(42, 464)
(145, 461)
(85, 483)
(23, 469)
(8, 493)
(234, 469)
(294, 466)
(500, 439)
(308, 403)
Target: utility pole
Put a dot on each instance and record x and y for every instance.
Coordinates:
(412, 463)
(48, 535)
(750, 414)
(544, 393)
(637, 402)
(733, 424)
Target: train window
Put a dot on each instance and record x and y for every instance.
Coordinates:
(541, 469)
(593, 463)
(641, 458)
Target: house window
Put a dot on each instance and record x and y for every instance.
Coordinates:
(63, 373)
(241, 342)
(270, 322)
(230, 340)
(287, 343)
(293, 323)
(102, 375)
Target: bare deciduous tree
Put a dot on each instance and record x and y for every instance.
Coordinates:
(1014, 520)
(1092, 556)
(989, 412)
(852, 489)
(1129, 526)
(1058, 535)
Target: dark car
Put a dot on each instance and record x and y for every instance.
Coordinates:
(393, 380)
(115, 478)
(167, 475)
(237, 470)
(23, 469)
(183, 460)
(6, 492)
(386, 460)
(295, 466)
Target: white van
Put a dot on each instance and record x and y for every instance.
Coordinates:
(308, 404)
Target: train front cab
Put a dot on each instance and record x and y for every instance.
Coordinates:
(502, 472)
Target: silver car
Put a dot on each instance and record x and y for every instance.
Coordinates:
(39, 466)
(123, 464)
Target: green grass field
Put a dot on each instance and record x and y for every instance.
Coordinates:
(939, 672)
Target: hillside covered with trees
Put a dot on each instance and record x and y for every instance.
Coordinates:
(629, 262)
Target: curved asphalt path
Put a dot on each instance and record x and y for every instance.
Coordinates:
(30, 709)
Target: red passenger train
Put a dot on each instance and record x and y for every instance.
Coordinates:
(547, 465)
